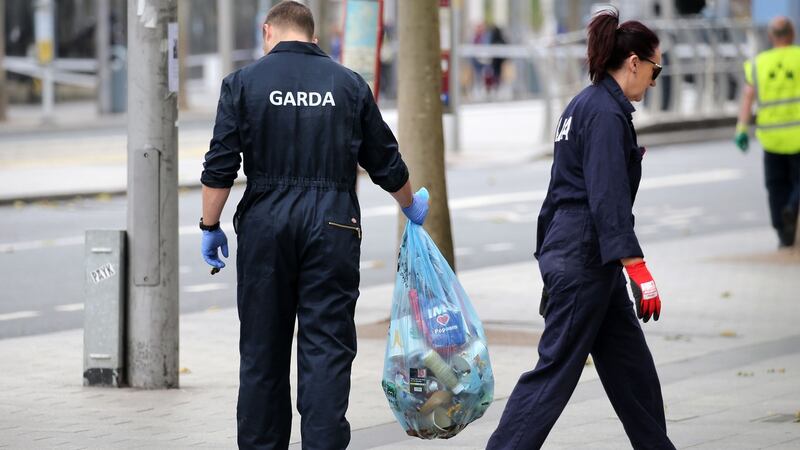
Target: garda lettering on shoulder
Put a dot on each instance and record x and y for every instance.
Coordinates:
(562, 130)
(300, 98)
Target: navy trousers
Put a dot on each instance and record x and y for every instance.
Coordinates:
(588, 312)
(782, 177)
(293, 263)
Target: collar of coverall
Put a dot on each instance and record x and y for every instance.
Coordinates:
(297, 47)
(613, 88)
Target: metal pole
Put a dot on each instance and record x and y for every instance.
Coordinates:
(103, 43)
(261, 14)
(44, 30)
(320, 9)
(455, 72)
(3, 92)
(225, 36)
(519, 32)
(668, 10)
(184, 45)
(152, 319)
(574, 15)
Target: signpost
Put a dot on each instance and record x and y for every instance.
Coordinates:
(362, 39)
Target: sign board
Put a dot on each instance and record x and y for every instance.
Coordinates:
(362, 39)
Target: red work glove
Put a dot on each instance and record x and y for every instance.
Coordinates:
(645, 294)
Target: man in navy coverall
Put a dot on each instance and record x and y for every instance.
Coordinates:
(302, 123)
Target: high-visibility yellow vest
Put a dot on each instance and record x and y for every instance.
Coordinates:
(775, 75)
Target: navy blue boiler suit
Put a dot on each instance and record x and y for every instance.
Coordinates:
(302, 123)
(585, 227)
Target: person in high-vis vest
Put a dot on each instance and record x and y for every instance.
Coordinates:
(773, 82)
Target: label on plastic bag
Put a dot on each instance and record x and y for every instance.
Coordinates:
(446, 327)
(417, 380)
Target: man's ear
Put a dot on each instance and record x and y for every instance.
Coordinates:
(315, 41)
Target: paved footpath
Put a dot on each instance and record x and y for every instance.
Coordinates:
(727, 349)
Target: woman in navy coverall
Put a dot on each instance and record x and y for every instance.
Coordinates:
(584, 239)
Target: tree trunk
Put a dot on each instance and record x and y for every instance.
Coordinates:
(420, 112)
(225, 37)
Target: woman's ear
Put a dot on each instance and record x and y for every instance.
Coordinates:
(634, 63)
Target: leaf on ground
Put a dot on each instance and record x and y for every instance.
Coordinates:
(728, 333)
(375, 264)
(185, 371)
(745, 374)
(726, 294)
(212, 308)
(19, 204)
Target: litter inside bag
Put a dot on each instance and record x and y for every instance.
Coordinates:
(436, 374)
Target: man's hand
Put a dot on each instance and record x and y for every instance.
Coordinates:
(645, 294)
(418, 210)
(213, 240)
(742, 140)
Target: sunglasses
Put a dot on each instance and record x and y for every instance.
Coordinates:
(656, 67)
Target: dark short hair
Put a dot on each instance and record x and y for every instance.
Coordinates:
(292, 14)
(610, 43)
(784, 29)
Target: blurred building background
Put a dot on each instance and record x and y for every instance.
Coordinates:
(504, 45)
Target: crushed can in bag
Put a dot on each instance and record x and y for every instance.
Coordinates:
(437, 375)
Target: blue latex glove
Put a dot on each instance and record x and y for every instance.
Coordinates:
(418, 210)
(212, 240)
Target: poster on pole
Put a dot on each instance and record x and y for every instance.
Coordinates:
(362, 39)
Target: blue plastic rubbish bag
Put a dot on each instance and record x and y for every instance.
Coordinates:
(436, 373)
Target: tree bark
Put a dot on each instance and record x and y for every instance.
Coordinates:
(420, 113)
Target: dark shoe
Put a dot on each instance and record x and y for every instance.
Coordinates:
(787, 234)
